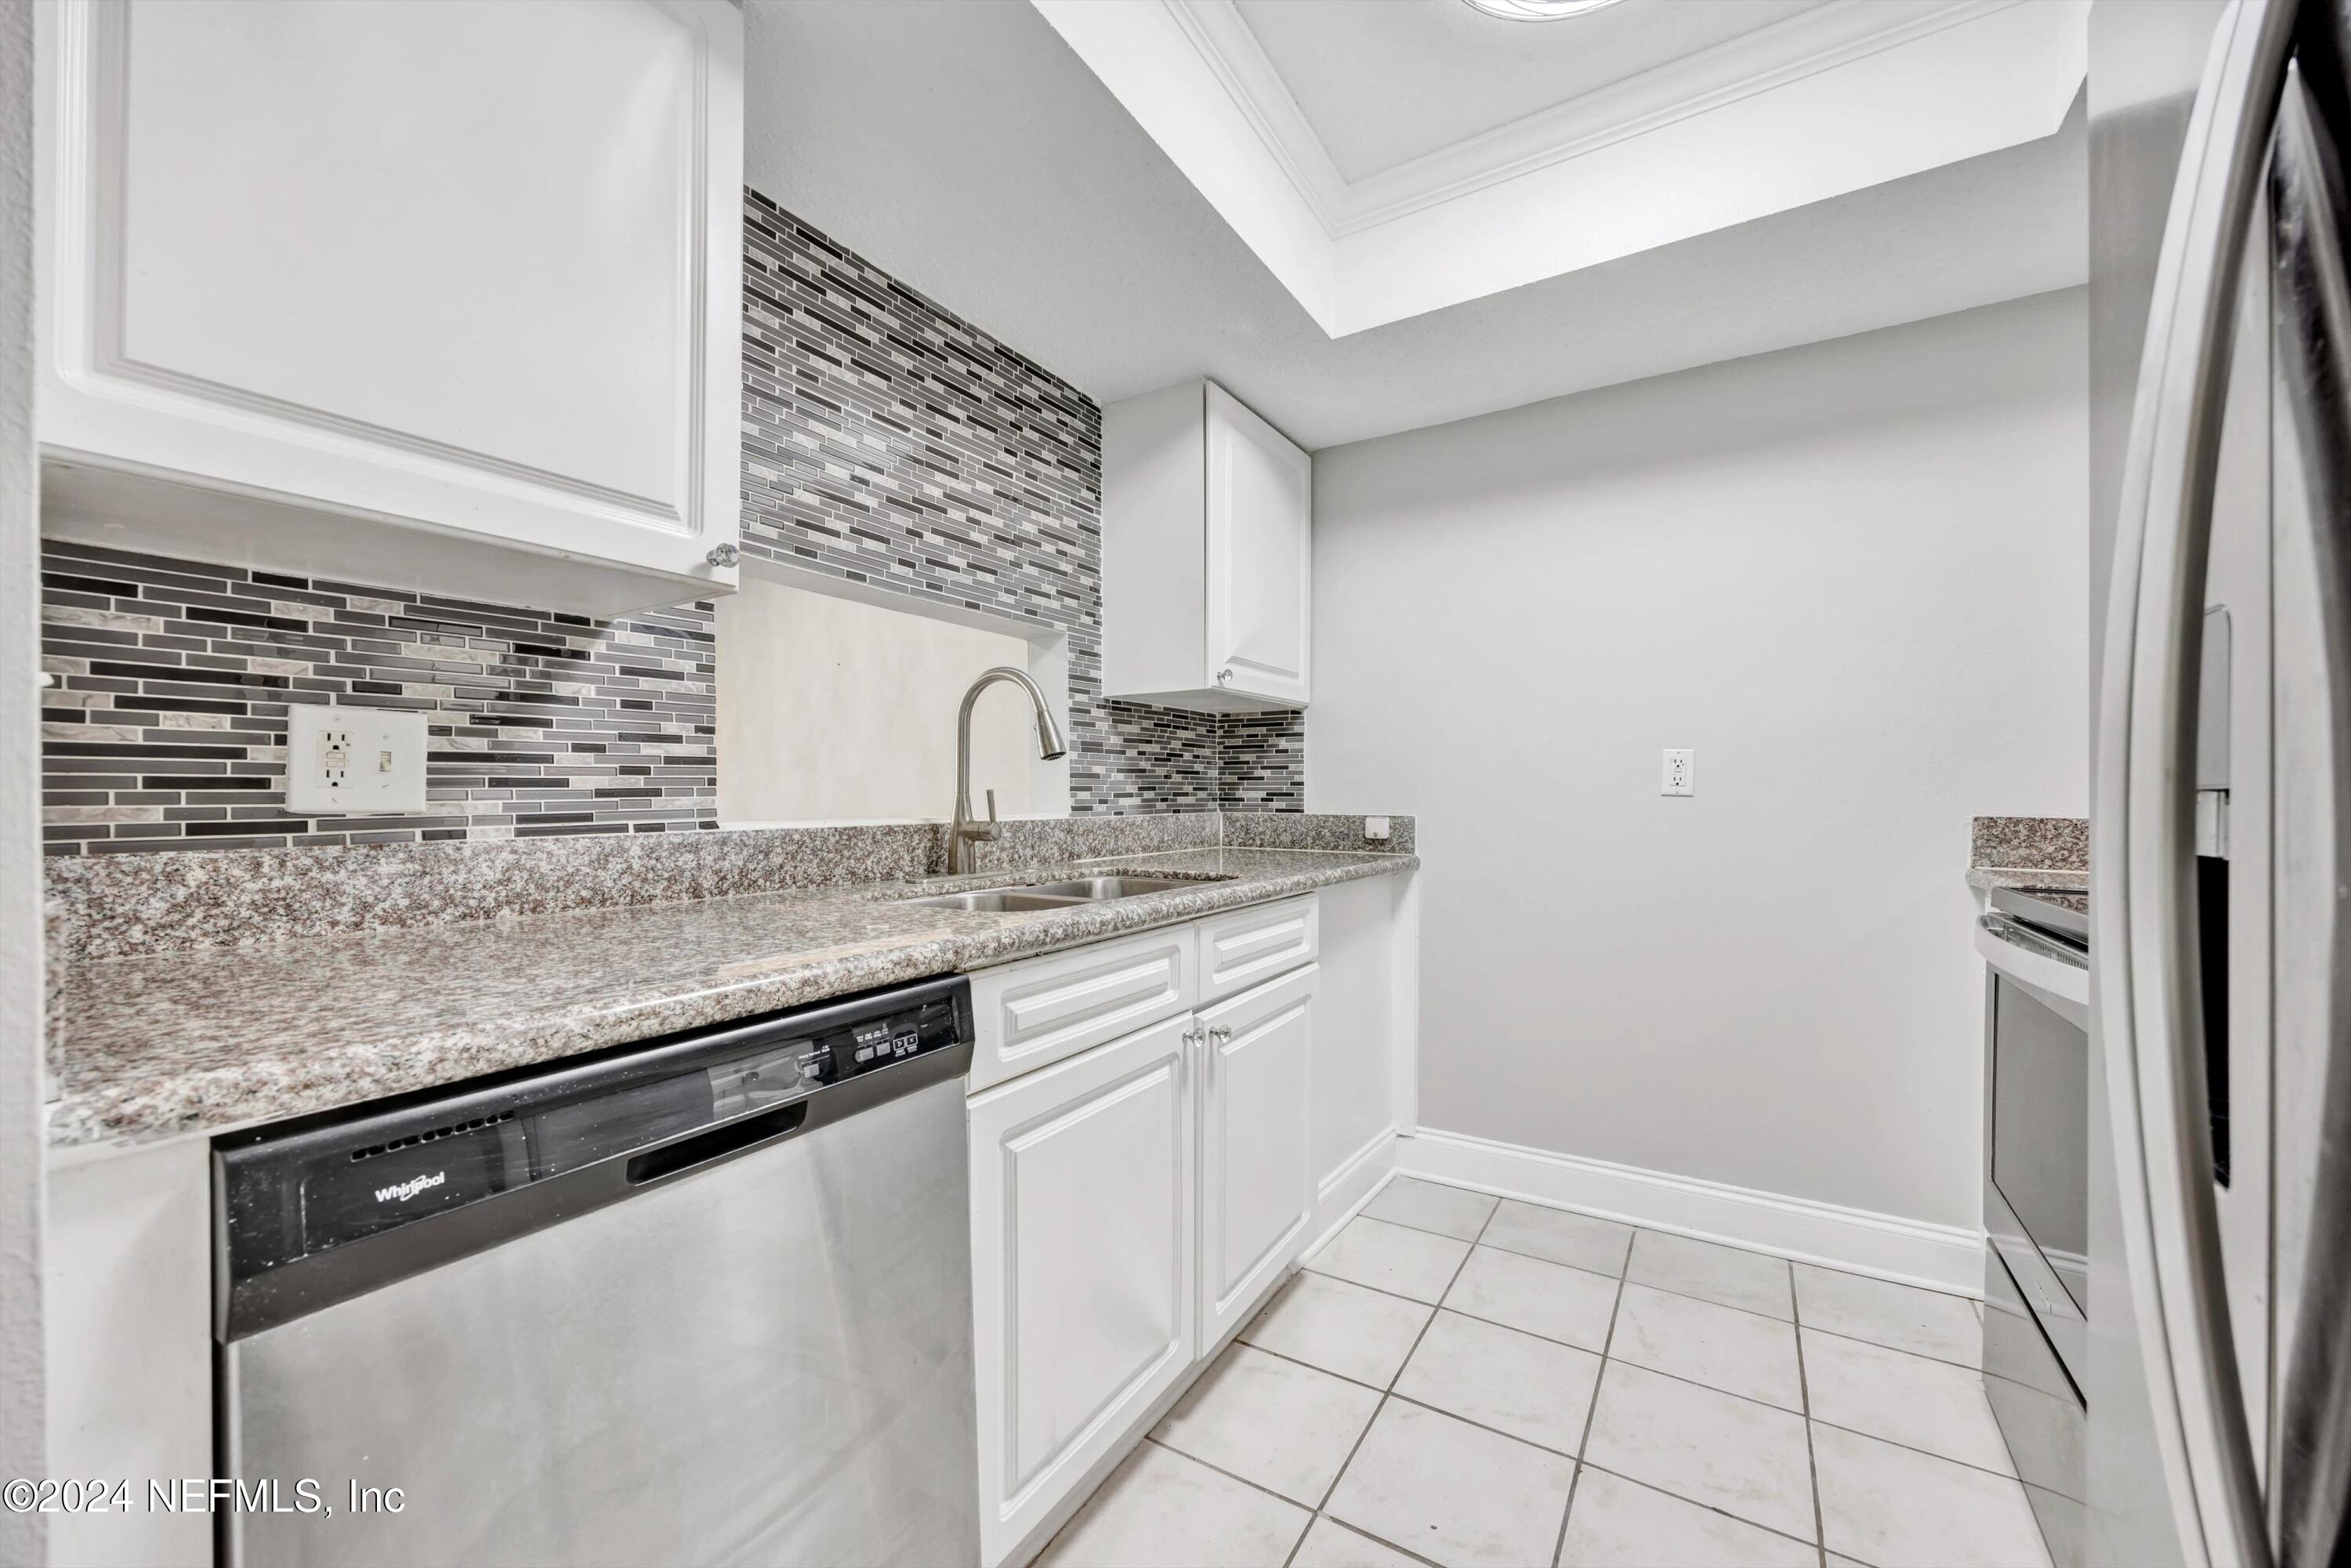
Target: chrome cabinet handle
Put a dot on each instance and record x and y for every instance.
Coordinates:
(2142, 861)
(1219, 1035)
(723, 555)
(1225, 677)
(1192, 1036)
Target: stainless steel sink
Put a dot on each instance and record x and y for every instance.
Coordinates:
(996, 901)
(1058, 894)
(1094, 889)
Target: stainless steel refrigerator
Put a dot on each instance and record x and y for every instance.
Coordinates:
(2220, 1217)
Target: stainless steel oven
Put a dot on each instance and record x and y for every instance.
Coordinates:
(2035, 943)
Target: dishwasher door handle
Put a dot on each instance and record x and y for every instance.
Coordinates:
(700, 1148)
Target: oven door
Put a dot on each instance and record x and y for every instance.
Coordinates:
(2037, 1125)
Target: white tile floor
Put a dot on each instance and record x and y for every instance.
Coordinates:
(1458, 1381)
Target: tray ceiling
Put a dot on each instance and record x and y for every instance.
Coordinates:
(1817, 101)
(1382, 84)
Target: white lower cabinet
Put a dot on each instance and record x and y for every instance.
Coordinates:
(1257, 1185)
(1130, 1204)
(1084, 1269)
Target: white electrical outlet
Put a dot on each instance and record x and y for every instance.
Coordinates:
(354, 761)
(1680, 772)
(1376, 828)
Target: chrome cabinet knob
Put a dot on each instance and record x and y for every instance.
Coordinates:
(1219, 1035)
(725, 555)
(1225, 675)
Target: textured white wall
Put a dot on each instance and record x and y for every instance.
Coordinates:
(23, 1451)
(1852, 577)
(830, 709)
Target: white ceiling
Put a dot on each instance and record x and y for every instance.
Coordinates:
(1383, 81)
(962, 146)
(1824, 100)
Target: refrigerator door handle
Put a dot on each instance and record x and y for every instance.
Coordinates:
(2145, 955)
(2314, 358)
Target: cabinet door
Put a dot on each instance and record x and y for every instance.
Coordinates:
(460, 273)
(1256, 1184)
(1260, 512)
(1084, 1276)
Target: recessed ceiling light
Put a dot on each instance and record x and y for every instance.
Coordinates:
(1536, 10)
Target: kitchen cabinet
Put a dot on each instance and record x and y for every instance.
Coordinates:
(1257, 1189)
(1208, 517)
(443, 297)
(1084, 1275)
(1111, 1176)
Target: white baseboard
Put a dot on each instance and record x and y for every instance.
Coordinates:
(1341, 1195)
(1913, 1251)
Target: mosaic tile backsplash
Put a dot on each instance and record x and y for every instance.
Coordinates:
(889, 442)
(167, 729)
(885, 442)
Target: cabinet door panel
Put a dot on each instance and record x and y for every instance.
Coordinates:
(471, 268)
(1258, 524)
(1040, 1010)
(1250, 945)
(1084, 1282)
(1256, 1186)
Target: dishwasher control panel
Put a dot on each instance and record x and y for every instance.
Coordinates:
(296, 1196)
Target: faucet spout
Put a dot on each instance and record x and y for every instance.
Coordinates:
(1050, 743)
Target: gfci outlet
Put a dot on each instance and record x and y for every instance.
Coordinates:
(353, 761)
(1680, 772)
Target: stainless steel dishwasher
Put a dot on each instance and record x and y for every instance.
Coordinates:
(703, 1301)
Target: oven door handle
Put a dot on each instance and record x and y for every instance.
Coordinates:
(2058, 977)
(2142, 862)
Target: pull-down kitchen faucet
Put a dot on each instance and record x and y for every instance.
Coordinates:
(1049, 744)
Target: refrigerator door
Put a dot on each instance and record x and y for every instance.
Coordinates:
(2148, 991)
(2312, 703)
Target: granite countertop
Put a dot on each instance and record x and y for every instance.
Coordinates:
(198, 1043)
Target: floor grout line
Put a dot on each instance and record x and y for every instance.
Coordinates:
(1590, 1411)
(1694, 1502)
(1156, 1441)
(1811, 1459)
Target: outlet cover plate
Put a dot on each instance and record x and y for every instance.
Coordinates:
(1680, 773)
(353, 761)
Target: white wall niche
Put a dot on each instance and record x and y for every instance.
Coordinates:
(837, 703)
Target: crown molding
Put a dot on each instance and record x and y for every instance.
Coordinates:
(1823, 40)
(1249, 77)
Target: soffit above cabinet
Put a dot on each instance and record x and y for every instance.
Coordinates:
(469, 270)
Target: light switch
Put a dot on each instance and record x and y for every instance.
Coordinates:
(353, 761)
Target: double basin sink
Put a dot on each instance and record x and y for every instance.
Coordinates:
(1060, 894)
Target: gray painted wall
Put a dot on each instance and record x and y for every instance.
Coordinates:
(22, 1439)
(1850, 576)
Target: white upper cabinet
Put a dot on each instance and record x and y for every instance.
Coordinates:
(1208, 516)
(444, 297)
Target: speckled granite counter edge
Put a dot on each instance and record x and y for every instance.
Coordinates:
(300, 1077)
(113, 906)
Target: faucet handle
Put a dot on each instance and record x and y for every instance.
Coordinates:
(991, 808)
